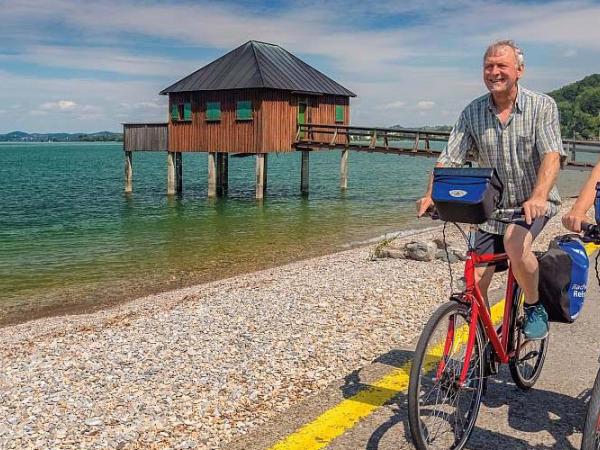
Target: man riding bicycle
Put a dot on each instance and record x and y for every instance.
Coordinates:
(517, 132)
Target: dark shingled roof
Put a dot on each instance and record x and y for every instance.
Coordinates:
(259, 65)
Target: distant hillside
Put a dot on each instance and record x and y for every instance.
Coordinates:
(579, 107)
(101, 136)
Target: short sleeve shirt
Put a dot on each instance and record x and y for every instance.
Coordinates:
(515, 149)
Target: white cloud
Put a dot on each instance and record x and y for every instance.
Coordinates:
(425, 104)
(98, 103)
(394, 105)
(61, 105)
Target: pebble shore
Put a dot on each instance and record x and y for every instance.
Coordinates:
(197, 367)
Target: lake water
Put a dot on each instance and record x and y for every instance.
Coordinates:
(70, 239)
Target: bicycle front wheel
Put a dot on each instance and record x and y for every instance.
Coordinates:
(526, 365)
(591, 429)
(441, 413)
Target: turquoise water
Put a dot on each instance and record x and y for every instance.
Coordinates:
(70, 238)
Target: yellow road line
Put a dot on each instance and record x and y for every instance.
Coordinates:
(336, 421)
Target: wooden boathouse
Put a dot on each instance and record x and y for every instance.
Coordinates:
(250, 101)
(260, 99)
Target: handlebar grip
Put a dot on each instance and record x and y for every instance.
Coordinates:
(589, 227)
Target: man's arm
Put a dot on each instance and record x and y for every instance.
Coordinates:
(537, 204)
(550, 148)
(573, 219)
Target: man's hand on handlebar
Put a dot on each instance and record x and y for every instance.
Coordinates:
(573, 220)
(423, 205)
(534, 208)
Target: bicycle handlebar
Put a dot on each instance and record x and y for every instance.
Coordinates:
(501, 215)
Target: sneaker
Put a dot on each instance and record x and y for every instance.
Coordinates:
(535, 326)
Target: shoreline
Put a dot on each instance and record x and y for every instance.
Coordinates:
(211, 362)
(75, 309)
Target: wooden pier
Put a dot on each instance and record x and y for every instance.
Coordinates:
(154, 137)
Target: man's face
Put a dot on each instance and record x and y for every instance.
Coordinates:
(500, 72)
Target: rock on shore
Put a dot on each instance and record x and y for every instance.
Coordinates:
(193, 368)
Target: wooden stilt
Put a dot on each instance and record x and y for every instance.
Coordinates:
(179, 173)
(344, 169)
(260, 175)
(212, 175)
(304, 172)
(266, 170)
(222, 173)
(128, 172)
(170, 173)
(225, 178)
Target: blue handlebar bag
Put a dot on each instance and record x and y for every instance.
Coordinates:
(466, 195)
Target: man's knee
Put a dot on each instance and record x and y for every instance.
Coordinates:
(517, 243)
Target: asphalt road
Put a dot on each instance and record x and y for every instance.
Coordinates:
(549, 416)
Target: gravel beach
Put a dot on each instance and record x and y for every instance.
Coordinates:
(196, 367)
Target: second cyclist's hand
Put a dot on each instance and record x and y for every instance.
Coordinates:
(573, 220)
(534, 208)
(423, 204)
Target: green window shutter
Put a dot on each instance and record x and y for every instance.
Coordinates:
(339, 113)
(174, 112)
(213, 110)
(187, 111)
(244, 110)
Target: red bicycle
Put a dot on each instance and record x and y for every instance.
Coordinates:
(459, 348)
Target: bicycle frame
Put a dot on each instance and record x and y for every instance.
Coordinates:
(480, 314)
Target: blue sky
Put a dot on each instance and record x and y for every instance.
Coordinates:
(88, 66)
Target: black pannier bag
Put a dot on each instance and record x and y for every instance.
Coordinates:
(466, 194)
(563, 278)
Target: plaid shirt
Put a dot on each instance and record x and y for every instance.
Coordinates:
(515, 149)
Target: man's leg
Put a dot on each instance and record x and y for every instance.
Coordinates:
(483, 277)
(486, 243)
(517, 243)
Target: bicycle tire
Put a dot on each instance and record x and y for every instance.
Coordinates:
(525, 375)
(591, 428)
(422, 432)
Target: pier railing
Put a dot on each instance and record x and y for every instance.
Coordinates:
(407, 141)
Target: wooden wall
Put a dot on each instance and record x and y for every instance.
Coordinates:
(272, 129)
(322, 111)
(145, 137)
(279, 116)
(226, 135)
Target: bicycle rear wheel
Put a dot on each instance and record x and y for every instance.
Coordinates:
(441, 413)
(591, 429)
(528, 361)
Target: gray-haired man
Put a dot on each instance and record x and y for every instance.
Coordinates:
(517, 132)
